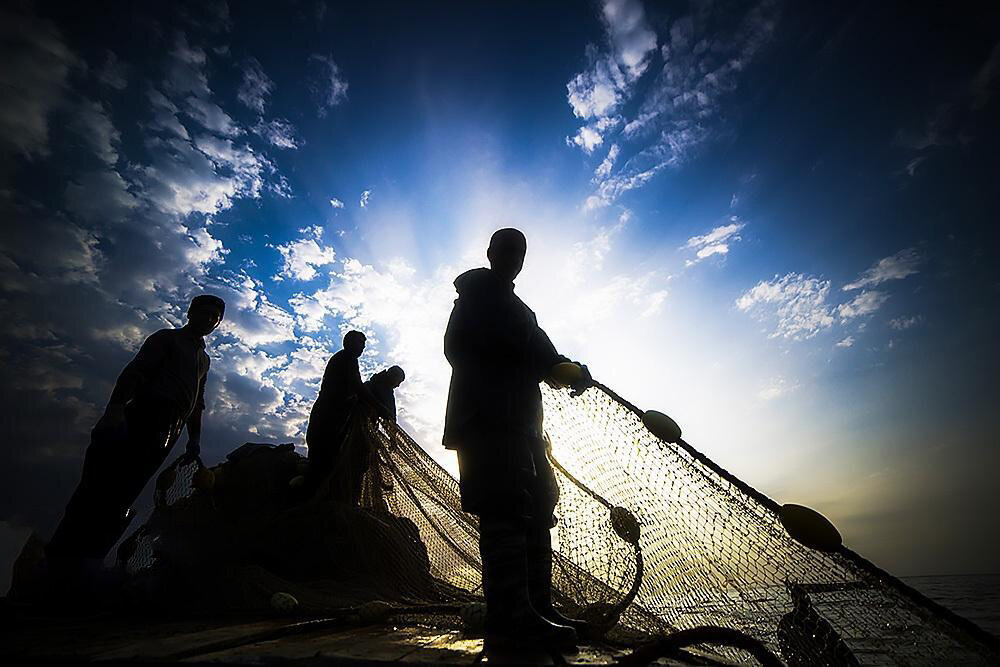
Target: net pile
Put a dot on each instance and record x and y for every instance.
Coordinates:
(651, 537)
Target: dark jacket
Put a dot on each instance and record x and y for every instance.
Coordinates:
(378, 385)
(173, 366)
(337, 394)
(498, 355)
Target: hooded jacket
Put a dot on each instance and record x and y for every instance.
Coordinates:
(498, 355)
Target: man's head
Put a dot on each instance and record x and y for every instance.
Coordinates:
(506, 252)
(354, 343)
(205, 313)
(396, 376)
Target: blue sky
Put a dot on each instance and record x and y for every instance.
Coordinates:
(775, 224)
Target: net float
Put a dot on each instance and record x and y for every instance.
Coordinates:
(566, 373)
(625, 524)
(662, 426)
(283, 603)
(203, 479)
(810, 528)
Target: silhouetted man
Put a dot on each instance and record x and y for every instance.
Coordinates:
(355, 456)
(498, 355)
(383, 384)
(157, 393)
(330, 418)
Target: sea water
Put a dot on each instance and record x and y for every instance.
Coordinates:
(974, 596)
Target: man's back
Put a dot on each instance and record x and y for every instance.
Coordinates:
(341, 379)
(498, 355)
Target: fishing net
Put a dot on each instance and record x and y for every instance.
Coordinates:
(651, 538)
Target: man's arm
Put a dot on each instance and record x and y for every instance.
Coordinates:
(545, 355)
(194, 422)
(365, 394)
(146, 362)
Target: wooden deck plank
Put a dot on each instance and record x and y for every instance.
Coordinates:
(165, 646)
(447, 648)
(369, 644)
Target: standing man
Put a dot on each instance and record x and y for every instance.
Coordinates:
(157, 393)
(498, 355)
(330, 418)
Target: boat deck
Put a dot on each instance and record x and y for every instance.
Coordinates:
(242, 641)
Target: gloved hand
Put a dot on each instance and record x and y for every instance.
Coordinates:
(585, 382)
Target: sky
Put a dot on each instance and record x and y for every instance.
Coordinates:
(776, 223)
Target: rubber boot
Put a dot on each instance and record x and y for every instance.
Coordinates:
(511, 621)
(539, 569)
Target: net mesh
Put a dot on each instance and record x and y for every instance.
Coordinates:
(710, 550)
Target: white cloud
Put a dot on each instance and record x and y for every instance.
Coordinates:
(895, 267)
(255, 87)
(100, 196)
(604, 169)
(708, 251)
(777, 387)
(336, 203)
(597, 91)
(279, 132)
(186, 69)
(588, 256)
(254, 319)
(631, 36)
(303, 256)
(587, 138)
(612, 188)
(202, 178)
(903, 323)
(798, 305)
(715, 242)
(69, 254)
(95, 128)
(846, 342)
(914, 164)
(327, 85)
(364, 198)
(609, 78)
(37, 64)
(113, 73)
(212, 117)
(204, 248)
(796, 302)
(703, 57)
(863, 304)
(165, 115)
(717, 235)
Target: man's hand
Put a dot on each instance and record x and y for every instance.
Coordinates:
(584, 383)
(113, 418)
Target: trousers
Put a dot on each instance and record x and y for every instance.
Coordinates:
(116, 467)
(513, 490)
